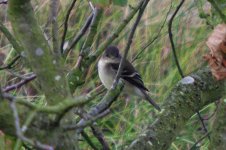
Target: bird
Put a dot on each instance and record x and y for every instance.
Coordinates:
(108, 65)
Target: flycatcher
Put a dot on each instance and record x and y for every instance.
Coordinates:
(107, 69)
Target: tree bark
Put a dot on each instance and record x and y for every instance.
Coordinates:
(191, 94)
(48, 68)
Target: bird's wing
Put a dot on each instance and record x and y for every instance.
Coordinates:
(130, 74)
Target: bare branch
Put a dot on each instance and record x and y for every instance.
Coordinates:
(200, 140)
(88, 122)
(19, 133)
(19, 84)
(80, 34)
(171, 37)
(66, 25)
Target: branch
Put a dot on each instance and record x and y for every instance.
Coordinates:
(87, 122)
(86, 48)
(191, 94)
(19, 84)
(80, 34)
(66, 25)
(104, 104)
(171, 37)
(10, 38)
(194, 147)
(19, 133)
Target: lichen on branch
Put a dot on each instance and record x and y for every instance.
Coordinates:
(187, 97)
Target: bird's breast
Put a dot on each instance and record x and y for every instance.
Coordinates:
(105, 73)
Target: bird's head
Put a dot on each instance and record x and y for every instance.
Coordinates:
(111, 53)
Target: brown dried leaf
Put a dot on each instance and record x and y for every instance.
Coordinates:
(217, 56)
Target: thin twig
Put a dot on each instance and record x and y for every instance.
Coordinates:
(129, 42)
(88, 122)
(197, 142)
(19, 133)
(175, 55)
(155, 38)
(97, 14)
(10, 65)
(24, 129)
(66, 25)
(171, 37)
(203, 124)
(100, 136)
(80, 34)
(19, 84)
(91, 5)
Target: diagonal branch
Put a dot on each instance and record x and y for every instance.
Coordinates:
(66, 25)
(192, 93)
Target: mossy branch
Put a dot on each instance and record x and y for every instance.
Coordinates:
(37, 51)
(191, 94)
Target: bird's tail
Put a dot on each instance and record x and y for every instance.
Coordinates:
(150, 100)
